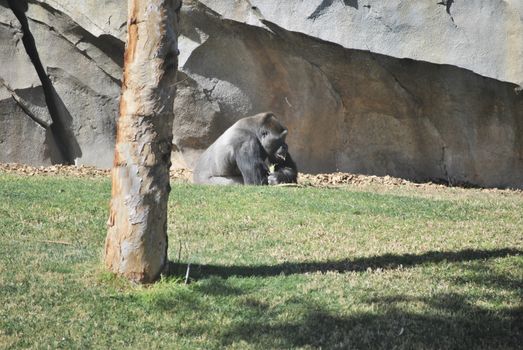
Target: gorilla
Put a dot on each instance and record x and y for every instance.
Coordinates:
(240, 155)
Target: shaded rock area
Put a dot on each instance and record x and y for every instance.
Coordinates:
(413, 90)
(30, 123)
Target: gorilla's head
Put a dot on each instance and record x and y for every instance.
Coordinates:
(272, 137)
(281, 153)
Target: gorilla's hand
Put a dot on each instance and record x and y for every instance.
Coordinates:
(273, 179)
(284, 171)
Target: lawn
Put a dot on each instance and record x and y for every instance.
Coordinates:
(377, 267)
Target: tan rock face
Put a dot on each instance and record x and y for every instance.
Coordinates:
(350, 110)
(450, 111)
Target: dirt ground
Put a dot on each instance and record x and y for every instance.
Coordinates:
(185, 175)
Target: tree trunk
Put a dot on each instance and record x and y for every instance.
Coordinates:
(136, 243)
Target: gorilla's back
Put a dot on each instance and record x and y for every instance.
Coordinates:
(219, 158)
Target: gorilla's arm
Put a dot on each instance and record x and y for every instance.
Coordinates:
(284, 172)
(250, 160)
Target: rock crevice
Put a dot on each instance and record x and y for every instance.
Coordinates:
(78, 116)
(60, 130)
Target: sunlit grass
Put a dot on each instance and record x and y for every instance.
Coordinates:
(356, 267)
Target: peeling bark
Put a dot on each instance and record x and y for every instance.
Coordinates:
(136, 244)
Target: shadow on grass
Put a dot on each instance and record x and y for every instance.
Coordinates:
(480, 316)
(384, 262)
(450, 322)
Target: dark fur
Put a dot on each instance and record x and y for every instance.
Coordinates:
(284, 172)
(240, 154)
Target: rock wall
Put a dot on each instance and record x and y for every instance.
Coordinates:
(485, 36)
(334, 71)
(69, 116)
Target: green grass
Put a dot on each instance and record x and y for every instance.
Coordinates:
(370, 267)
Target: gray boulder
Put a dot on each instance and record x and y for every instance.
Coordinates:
(82, 85)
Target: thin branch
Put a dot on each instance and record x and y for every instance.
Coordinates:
(43, 241)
